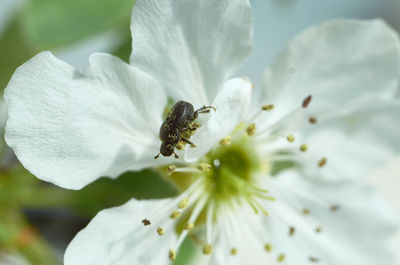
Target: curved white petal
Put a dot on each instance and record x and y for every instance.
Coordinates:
(117, 236)
(231, 104)
(334, 62)
(71, 128)
(192, 47)
(360, 231)
(356, 139)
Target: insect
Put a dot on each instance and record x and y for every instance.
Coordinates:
(180, 120)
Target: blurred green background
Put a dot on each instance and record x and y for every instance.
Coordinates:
(37, 219)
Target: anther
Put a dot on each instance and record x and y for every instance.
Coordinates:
(281, 258)
(233, 251)
(175, 214)
(183, 203)
(306, 101)
(172, 255)
(303, 147)
(146, 222)
(188, 226)
(290, 138)
(207, 249)
(268, 247)
(171, 169)
(180, 145)
(334, 208)
(251, 129)
(322, 162)
(160, 231)
(306, 211)
(268, 107)
(313, 259)
(318, 229)
(226, 141)
(204, 167)
(312, 120)
(291, 231)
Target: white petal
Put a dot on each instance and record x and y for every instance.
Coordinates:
(360, 232)
(192, 47)
(71, 128)
(334, 62)
(117, 236)
(355, 139)
(231, 104)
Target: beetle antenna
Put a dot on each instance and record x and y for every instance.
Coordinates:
(157, 156)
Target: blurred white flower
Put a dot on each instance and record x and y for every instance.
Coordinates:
(326, 106)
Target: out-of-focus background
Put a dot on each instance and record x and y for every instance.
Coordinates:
(37, 219)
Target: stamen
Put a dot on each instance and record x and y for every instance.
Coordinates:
(175, 214)
(303, 147)
(268, 247)
(322, 162)
(204, 167)
(312, 120)
(188, 226)
(306, 101)
(281, 258)
(207, 249)
(313, 259)
(146, 222)
(160, 231)
(226, 141)
(318, 229)
(290, 138)
(183, 203)
(291, 231)
(171, 169)
(306, 211)
(233, 251)
(268, 107)
(172, 255)
(251, 129)
(180, 145)
(334, 208)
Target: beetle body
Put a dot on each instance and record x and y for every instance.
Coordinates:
(180, 119)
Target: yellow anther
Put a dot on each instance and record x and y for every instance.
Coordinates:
(303, 147)
(175, 214)
(188, 226)
(334, 208)
(268, 247)
(268, 107)
(160, 231)
(233, 251)
(172, 255)
(318, 229)
(171, 169)
(226, 141)
(306, 211)
(291, 231)
(180, 145)
(183, 203)
(207, 249)
(322, 162)
(281, 258)
(204, 167)
(251, 129)
(312, 120)
(290, 138)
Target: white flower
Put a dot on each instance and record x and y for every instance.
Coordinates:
(329, 110)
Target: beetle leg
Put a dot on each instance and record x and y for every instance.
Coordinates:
(188, 142)
(205, 109)
(157, 156)
(176, 156)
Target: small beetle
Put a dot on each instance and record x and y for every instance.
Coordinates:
(179, 119)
